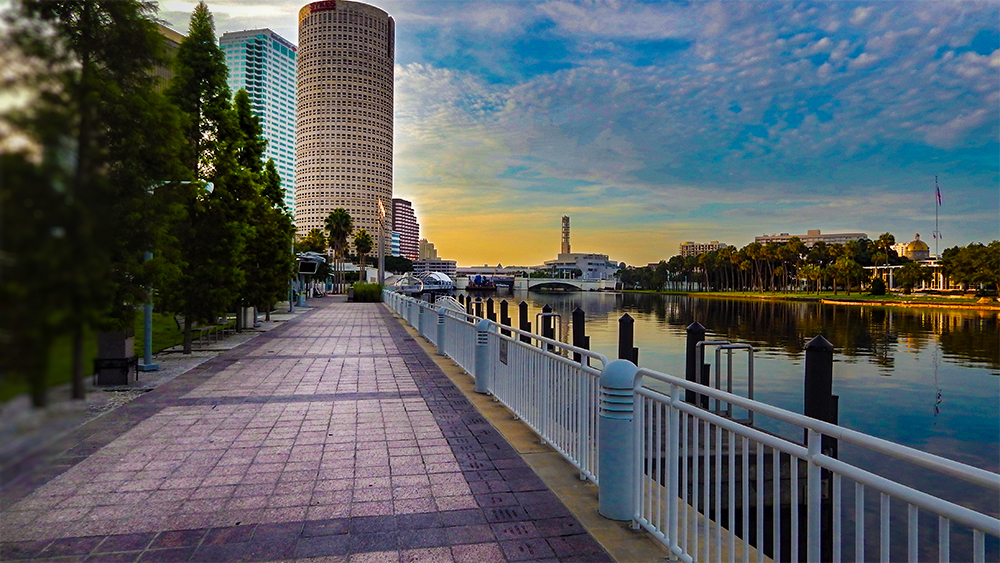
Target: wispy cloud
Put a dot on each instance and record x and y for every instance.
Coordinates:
(653, 123)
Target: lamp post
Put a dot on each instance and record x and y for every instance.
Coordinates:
(147, 328)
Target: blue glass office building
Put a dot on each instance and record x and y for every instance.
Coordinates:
(264, 64)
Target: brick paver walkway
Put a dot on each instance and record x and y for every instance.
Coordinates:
(332, 437)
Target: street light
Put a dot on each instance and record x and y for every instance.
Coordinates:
(147, 308)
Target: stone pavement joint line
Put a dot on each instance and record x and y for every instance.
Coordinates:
(332, 438)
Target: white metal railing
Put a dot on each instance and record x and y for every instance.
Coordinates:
(713, 489)
(554, 395)
(540, 383)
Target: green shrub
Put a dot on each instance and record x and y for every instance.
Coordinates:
(878, 287)
(367, 292)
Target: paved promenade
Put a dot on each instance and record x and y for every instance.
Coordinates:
(333, 437)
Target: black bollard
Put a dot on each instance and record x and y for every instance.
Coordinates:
(490, 313)
(580, 339)
(468, 306)
(626, 338)
(548, 328)
(479, 307)
(504, 317)
(818, 399)
(461, 299)
(525, 324)
(695, 334)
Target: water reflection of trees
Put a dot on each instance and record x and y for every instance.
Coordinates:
(870, 332)
(873, 333)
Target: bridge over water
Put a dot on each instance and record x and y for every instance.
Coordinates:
(546, 284)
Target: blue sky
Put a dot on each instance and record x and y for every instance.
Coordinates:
(653, 123)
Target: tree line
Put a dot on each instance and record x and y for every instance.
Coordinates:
(106, 163)
(794, 267)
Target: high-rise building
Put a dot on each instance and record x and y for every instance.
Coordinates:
(345, 81)
(405, 222)
(394, 244)
(426, 250)
(263, 63)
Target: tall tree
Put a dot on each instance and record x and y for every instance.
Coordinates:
(339, 225)
(271, 263)
(363, 243)
(93, 77)
(212, 238)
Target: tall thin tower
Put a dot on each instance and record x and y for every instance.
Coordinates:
(565, 235)
(344, 128)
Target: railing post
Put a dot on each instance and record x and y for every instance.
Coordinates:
(580, 339)
(441, 334)
(626, 336)
(695, 334)
(504, 317)
(409, 312)
(815, 498)
(479, 307)
(461, 299)
(468, 306)
(616, 441)
(490, 313)
(524, 324)
(482, 358)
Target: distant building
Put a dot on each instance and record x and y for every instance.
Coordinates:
(591, 266)
(916, 249)
(172, 41)
(689, 248)
(565, 235)
(424, 265)
(264, 64)
(394, 245)
(404, 221)
(811, 237)
(426, 250)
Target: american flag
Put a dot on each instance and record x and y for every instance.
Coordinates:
(938, 194)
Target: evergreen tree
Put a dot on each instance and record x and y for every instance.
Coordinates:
(270, 262)
(213, 236)
(105, 137)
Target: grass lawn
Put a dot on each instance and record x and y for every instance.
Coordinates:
(165, 335)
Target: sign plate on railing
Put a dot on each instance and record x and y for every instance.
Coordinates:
(503, 352)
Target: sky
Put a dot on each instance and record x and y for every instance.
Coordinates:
(654, 123)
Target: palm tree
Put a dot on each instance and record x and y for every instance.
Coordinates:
(339, 225)
(363, 243)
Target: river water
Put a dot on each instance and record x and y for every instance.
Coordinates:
(926, 378)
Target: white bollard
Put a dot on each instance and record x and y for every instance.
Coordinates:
(616, 441)
(441, 330)
(482, 358)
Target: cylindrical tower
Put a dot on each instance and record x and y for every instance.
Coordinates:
(344, 126)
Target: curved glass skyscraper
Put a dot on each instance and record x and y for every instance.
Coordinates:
(344, 126)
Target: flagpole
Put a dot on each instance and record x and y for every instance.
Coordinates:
(937, 204)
